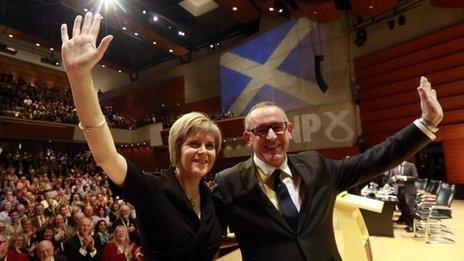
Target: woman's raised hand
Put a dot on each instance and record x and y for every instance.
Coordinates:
(80, 53)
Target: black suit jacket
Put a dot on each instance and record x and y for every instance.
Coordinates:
(262, 232)
(410, 171)
(71, 249)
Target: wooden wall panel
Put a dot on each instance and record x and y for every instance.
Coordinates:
(432, 39)
(339, 153)
(147, 99)
(396, 63)
(389, 100)
(38, 130)
(411, 97)
(33, 73)
(454, 160)
(423, 68)
(446, 76)
(208, 106)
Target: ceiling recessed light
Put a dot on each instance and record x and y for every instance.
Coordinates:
(119, 71)
(124, 28)
(170, 50)
(10, 35)
(136, 34)
(211, 46)
(271, 9)
(86, 10)
(103, 65)
(57, 64)
(144, 12)
(281, 10)
(51, 49)
(37, 44)
(234, 8)
(155, 43)
(155, 18)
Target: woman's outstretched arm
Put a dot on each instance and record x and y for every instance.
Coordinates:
(80, 54)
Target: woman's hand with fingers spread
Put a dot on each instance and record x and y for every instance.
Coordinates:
(80, 53)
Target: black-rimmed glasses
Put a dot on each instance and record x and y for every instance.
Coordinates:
(263, 130)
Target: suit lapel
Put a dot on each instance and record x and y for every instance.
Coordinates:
(256, 194)
(306, 184)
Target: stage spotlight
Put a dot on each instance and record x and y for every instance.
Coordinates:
(281, 6)
(361, 37)
(7, 49)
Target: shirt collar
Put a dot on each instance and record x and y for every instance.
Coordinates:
(268, 170)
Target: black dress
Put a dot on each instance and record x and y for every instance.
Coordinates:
(169, 226)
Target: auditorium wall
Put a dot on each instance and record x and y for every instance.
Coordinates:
(419, 21)
(103, 78)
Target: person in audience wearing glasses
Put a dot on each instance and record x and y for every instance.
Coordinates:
(174, 208)
(280, 206)
(402, 178)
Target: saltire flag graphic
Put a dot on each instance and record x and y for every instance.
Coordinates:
(276, 66)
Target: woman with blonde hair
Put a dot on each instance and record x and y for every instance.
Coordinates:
(120, 248)
(17, 249)
(174, 208)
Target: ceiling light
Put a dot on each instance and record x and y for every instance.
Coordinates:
(371, 7)
(170, 27)
(51, 49)
(103, 65)
(144, 12)
(119, 71)
(124, 28)
(315, 12)
(37, 44)
(211, 46)
(57, 64)
(10, 35)
(155, 43)
(155, 18)
(7, 49)
(170, 50)
(281, 10)
(234, 8)
(86, 10)
(136, 34)
(271, 9)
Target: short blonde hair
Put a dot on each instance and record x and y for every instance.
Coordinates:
(193, 121)
(258, 106)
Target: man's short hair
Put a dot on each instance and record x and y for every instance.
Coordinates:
(258, 106)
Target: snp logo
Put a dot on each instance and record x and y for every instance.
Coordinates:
(326, 127)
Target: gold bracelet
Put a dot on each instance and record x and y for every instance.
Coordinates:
(85, 128)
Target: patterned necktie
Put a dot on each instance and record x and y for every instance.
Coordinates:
(289, 211)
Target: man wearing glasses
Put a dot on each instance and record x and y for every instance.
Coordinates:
(280, 206)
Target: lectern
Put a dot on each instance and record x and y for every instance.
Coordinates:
(353, 229)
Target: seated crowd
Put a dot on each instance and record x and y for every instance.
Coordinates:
(35, 102)
(59, 204)
(20, 99)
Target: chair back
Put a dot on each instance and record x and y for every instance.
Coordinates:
(436, 187)
(430, 185)
(445, 195)
(421, 184)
